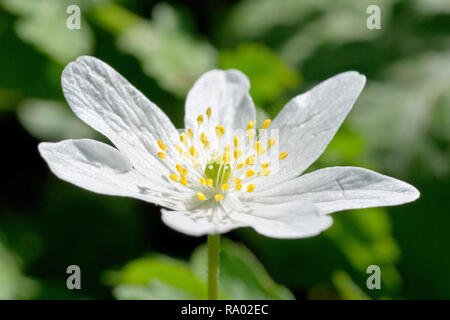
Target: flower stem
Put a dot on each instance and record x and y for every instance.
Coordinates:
(213, 266)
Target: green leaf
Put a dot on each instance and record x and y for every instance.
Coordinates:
(167, 53)
(40, 18)
(173, 275)
(52, 120)
(269, 75)
(242, 276)
(13, 284)
(365, 238)
(346, 287)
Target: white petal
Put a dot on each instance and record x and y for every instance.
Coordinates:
(295, 219)
(107, 102)
(226, 92)
(309, 121)
(341, 188)
(184, 222)
(100, 168)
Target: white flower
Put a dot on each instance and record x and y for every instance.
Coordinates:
(212, 178)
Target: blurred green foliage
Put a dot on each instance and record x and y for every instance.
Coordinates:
(400, 126)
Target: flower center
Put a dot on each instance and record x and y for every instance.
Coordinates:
(212, 161)
(219, 173)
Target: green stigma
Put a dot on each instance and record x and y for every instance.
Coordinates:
(219, 173)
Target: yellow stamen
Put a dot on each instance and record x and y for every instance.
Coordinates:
(201, 196)
(251, 124)
(220, 131)
(266, 123)
(265, 172)
(283, 155)
(264, 165)
(202, 181)
(173, 177)
(250, 161)
(208, 112)
(237, 181)
(250, 187)
(225, 186)
(249, 173)
(179, 149)
(190, 133)
(240, 165)
(162, 145)
(184, 182)
(238, 153)
(209, 182)
(200, 119)
(238, 187)
(161, 155)
(271, 143)
(226, 158)
(258, 147)
(218, 197)
(236, 142)
(204, 138)
(183, 138)
(250, 134)
(192, 151)
(185, 172)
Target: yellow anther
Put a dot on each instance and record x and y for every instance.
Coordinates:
(236, 142)
(250, 124)
(183, 181)
(200, 119)
(183, 138)
(249, 173)
(238, 153)
(173, 177)
(209, 182)
(190, 133)
(202, 181)
(283, 155)
(204, 138)
(250, 187)
(226, 158)
(258, 147)
(218, 197)
(238, 187)
(237, 181)
(266, 123)
(192, 151)
(265, 172)
(208, 112)
(184, 172)
(225, 186)
(162, 145)
(250, 161)
(161, 155)
(179, 149)
(201, 196)
(271, 143)
(179, 167)
(250, 134)
(186, 155)
(240, 165)
(264, 165)
(220, 131)
(227, 148)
